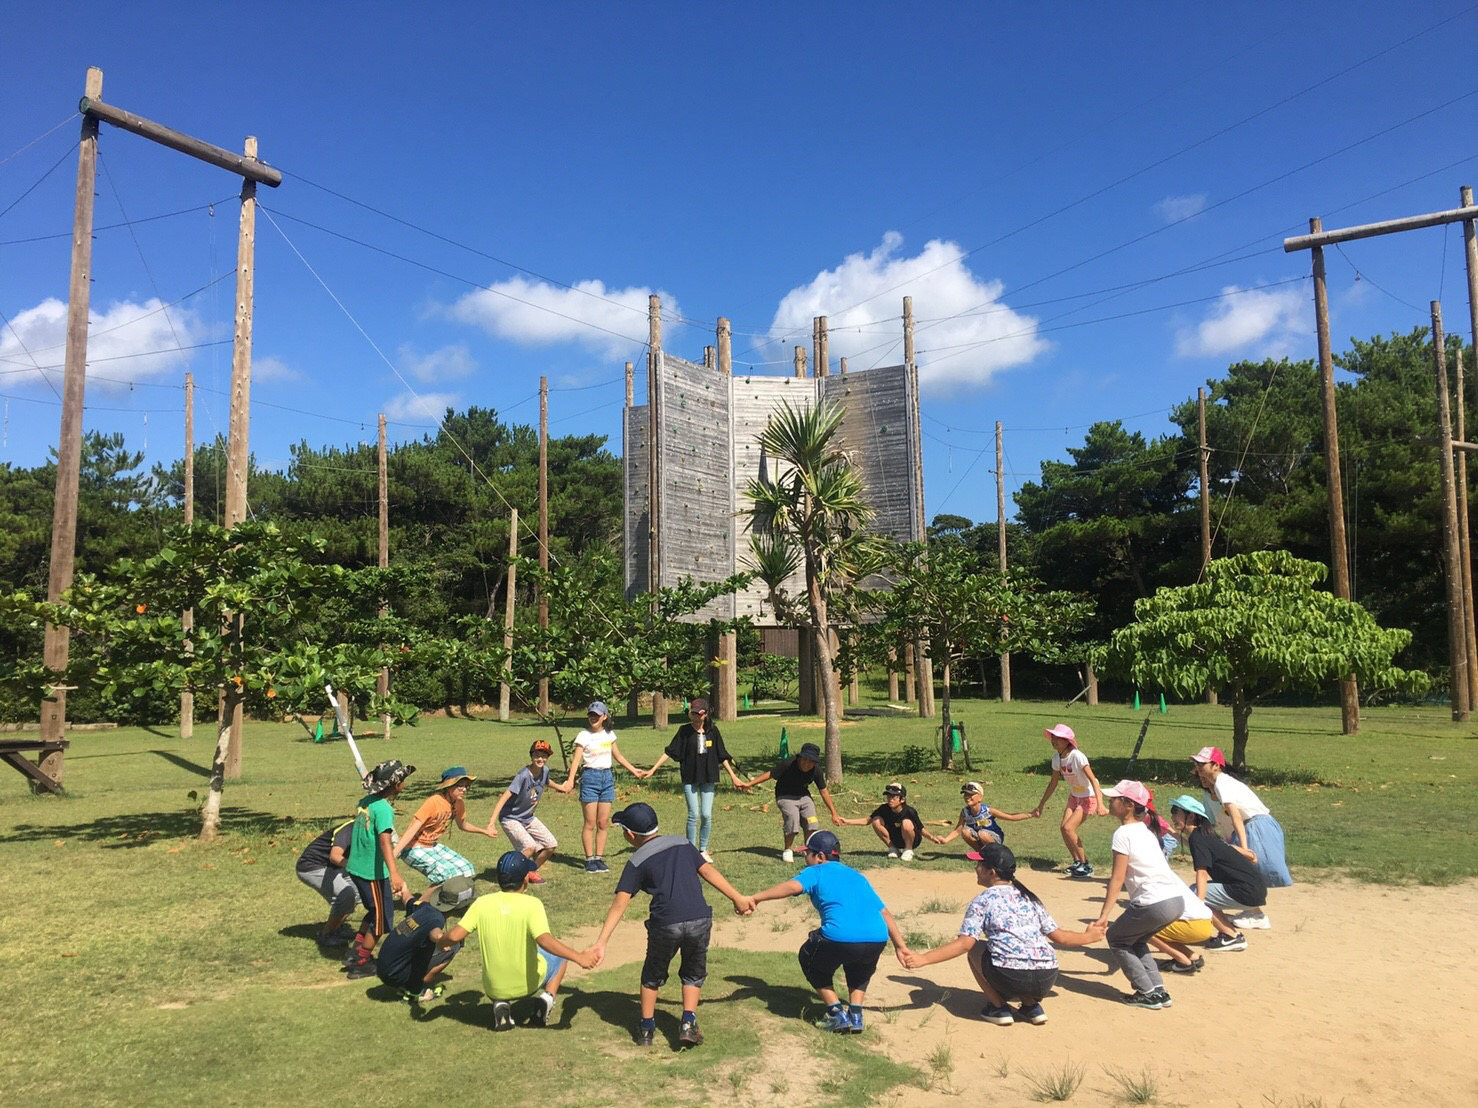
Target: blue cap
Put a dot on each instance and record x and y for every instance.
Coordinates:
(824, 843)
(597, 708)
(637, 818)
(1190, 804)
(513, 867)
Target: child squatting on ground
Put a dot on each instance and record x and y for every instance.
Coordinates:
(793, 779)
(1007, 936)
(1225, 879)
(1084, 794)
(321, 868)
(1245, 822)
(410, 959)
(896, 823)
(668, 868)
(977, 822)
(855, 926)
(371, 863)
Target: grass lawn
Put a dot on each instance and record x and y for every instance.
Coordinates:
(146, 967)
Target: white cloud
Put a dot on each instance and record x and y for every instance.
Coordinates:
(447, 364)
(963, 333)
(428, 407)
(126, 342)
(1173, 209)
(269, 368)
(535, 313)
(1255, 323)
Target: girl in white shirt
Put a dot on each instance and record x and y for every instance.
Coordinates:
(596, 748)
(1156, 895)
(1084, 794)
(1243, 820)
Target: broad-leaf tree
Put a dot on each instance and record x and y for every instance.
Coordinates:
(1256, 625)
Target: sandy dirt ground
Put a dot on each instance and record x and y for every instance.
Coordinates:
(1359, 995)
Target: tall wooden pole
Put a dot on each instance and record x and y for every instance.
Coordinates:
(1465, 539)
(1457, 635)
(800, 361)
(923, 664)
(382, 682)
(654, 439)
(633, 702)
(823, 348)
(726, 682)
(1001, 547)
(1339, 557)
(842, 366)
(187, 617)
(544, 703)
(69, 445)
(1204, 453)
(504, 689)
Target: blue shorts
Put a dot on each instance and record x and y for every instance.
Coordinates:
(597, 786)
(553, 963)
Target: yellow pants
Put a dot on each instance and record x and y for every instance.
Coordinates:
(1187, 931)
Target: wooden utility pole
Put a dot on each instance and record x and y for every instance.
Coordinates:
(1339, 557)
(726, 678)
(654, 424)
(842, 366)
(1001, 547)
(187, 617)
(544, 703)
(633, 702)
(1465, 538)
(800, 361)
(69, 446)
(504, 688)
(1204, 455)
(823, 348)
(1457, 635)
(923, 664)
(382, 683)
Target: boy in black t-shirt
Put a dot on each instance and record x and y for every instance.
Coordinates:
(321, 868)
(409, 959)
(897, 824)
(668, 868)
(1226, 879)
(793, 779)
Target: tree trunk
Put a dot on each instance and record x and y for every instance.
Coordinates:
(1241, 712)
(829, 698)
(947, 746)
(210, 815)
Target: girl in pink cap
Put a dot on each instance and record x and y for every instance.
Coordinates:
(1243, 820)
(1084, 794)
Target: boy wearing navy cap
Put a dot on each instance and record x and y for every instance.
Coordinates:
(668, 868)
(855, 926)
(793, 779)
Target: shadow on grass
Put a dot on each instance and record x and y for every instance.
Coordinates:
(786, 1001)
(141, 828)
(183, 763)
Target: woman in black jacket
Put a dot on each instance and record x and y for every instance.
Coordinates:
(699, 751)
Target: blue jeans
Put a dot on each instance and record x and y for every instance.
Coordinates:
(699, 799)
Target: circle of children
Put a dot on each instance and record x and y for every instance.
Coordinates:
(1235, 844)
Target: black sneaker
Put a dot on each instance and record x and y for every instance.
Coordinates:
(1163, 997)
(644, 1035)
(357, 970)
(601, 867)
(689, 1035)
(1195, 966)
(1227, 942)
(502, 1016)
(1145, 1000)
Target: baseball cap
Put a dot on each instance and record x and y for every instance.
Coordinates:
(811, 751)
(970, 788)
(597, 708)
(824, 843)
(388, 774)
(1190, 804)
(513, 867)
(1131, 790)
(637, 818)
(698, 704)
(540, 746)
(457, 893)
(452, 776)
(1210, 754)
(893, 788)
(1061, 731)
(997, 856)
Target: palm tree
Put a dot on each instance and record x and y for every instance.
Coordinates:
(810, 517)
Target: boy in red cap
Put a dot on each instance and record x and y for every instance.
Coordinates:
(514, 811)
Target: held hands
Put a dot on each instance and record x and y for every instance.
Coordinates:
(1037, 812)
(566, 788)
(907, 958)
(587, 959)
(596, 954)
(1097, 929)
(744, 906)
(837, 821)
(492, 829)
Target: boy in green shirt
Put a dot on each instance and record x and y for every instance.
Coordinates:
(371, 864)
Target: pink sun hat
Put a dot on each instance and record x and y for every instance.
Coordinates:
(1131, 790)
(1210, 754)
(1064, 732)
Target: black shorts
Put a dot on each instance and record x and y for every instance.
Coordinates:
(820, 959)
(690, 938)
(1025, 985)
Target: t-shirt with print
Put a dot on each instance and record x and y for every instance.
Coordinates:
(315, 854)
(851, 911)
(1241, 879)
(666, 868)
(981, 821)
(373, 818)
(1013, 927)
(792, 781)
(398, 950)
(893, 819)
(597, 746)
(507, 927)
(1228, 790)
(1072, 769)
(526, 790)
(1149, 879)
(437, 812)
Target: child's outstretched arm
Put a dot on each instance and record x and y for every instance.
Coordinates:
(658, 764)
(900, 944)
(960, 944)
(825, 792)
(959, 828)
(613, 917)
(616, 753)
(497, 811)
(1012, 816)
(779, 892)
(1086, 937)
(743, 905)
(761, 779)
(574, 768)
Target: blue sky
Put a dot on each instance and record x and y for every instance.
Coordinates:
(1086, 203)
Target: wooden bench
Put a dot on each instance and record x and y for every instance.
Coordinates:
(14, 752)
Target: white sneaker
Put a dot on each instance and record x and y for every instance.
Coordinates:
(787, 855)
(907, 855)
(707, 857)
(892, 854)
(1257, 922)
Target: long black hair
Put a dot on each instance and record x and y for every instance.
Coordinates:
(998, 857)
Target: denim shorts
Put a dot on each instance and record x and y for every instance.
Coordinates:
(597, 786)
(689, 937)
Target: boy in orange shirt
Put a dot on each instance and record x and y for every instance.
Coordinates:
(421, 845)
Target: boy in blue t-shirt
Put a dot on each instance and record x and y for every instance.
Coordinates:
(855, 926)
(669, 868)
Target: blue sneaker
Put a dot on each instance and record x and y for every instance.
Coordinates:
(855, 1020)
(1031, 1013)
(836, 1021)
(1001, 1015)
